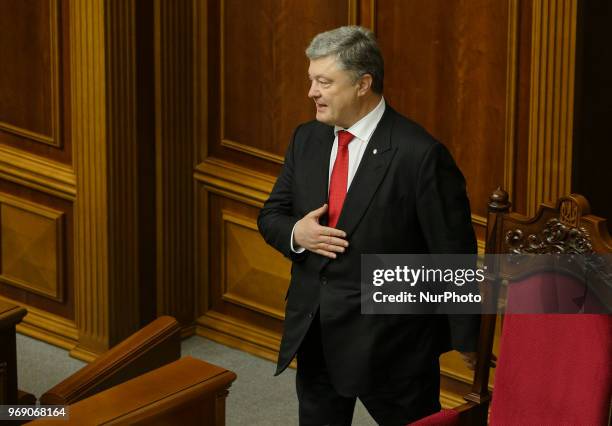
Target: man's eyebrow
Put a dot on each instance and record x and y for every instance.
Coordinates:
(318, 76)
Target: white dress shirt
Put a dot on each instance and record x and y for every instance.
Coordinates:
(362, 132)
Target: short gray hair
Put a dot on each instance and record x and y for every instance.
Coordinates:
(355, 49)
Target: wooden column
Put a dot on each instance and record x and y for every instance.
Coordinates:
(551, 101)
(102, 46)
(174, 102)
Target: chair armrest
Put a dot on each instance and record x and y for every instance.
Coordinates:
(149, 348)
(441, 418)
(186, 392)
(468, 414)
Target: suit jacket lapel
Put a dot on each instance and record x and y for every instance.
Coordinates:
(320, 166)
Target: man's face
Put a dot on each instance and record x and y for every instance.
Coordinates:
(334, 92)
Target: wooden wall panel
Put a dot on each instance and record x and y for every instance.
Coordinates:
(32, 94)
(253, 274)
(35, 72)
(245, 280)
(36, 241)
(229, 264)
(258, 74)
(31, 247)
(243, 307)
(446, 67)
(37, 180)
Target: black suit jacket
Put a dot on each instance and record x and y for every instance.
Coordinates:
(409, 197)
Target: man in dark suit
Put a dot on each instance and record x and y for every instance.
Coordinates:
(362, 179)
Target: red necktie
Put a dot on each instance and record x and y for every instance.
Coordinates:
(339, 178)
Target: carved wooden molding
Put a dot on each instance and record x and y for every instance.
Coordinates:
(255, 152)
(560, 235)
(224, 329)
(449, 399)
(47, 327)
(37, 173)
(555, 238)
(552, 101)
(479, 220)
(234, 181)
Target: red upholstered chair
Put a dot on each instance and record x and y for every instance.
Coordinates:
(553, 369)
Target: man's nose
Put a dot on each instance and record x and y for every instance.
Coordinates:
(314, 90)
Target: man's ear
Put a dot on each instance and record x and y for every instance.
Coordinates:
(365, 84)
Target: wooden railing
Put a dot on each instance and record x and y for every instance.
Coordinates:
(186, 392)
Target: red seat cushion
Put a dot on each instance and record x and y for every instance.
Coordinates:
(553, 370)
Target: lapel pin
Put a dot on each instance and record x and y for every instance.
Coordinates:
(375, 151)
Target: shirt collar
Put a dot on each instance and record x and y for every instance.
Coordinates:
(364, 128)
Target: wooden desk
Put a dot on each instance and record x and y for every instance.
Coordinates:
(10, 316)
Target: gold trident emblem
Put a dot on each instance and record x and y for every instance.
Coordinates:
(569, 213)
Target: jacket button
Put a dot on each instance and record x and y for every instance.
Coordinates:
(309, 314)
(323, 280)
